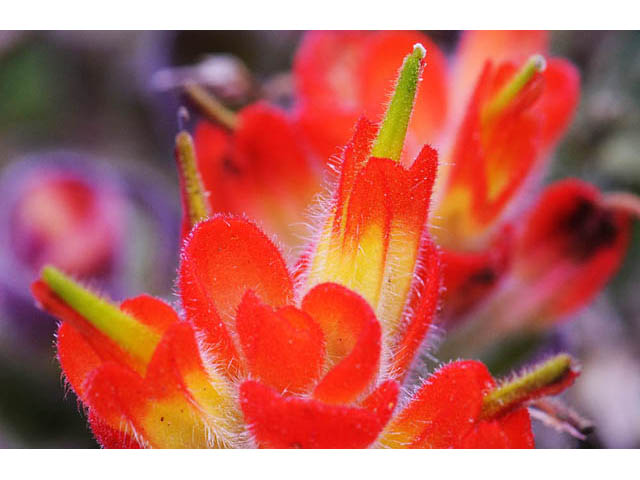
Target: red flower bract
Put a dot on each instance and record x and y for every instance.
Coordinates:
(260, 169)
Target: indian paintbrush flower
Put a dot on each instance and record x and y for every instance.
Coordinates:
(259, 355)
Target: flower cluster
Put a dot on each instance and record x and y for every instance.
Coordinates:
(494, 111)
(323, 355)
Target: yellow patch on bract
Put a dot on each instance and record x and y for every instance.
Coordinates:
(402, 254)
(214, 395)
(319, 258)
(210, 418)
(401, 431)
(357, 265)
(175, 423)
(204, 415)
(364, 272)
(395, 438)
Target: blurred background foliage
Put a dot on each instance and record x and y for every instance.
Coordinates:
(93, 92)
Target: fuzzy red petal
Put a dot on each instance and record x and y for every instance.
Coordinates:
(151, 311)
(383, 400)
(354, 158)
(352, 335)
(293, 422)
(109, 437)
(444, 410)
(284, 348)
(115, 392)
(510, 431)
(380, 198)
(486, 435)
(384, 222)
(77, 357)
(517, 428)
(223, 259)
(111, 390)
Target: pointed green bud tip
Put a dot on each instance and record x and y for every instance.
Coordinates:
(194, 196)
(394, 126)
(419, 51)
(126, 331)
(536, 64)
(548, 378)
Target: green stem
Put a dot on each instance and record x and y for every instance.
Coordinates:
(549, 378)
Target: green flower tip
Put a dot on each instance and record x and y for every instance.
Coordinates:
(549, 378)
(394, 126)
(538, 63)
(126, 331)
(419, 51)
(195, 197)
(535, 65)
